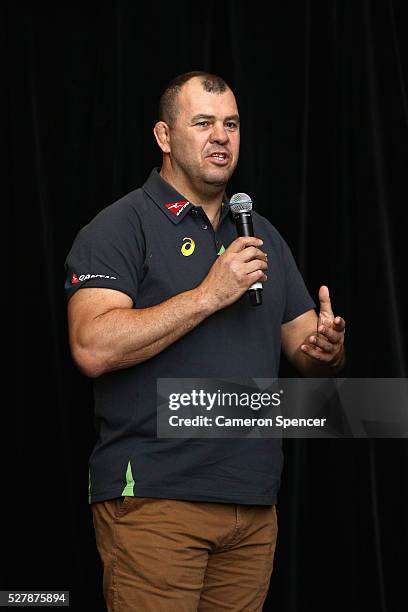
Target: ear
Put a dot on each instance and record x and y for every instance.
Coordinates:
(162, 133)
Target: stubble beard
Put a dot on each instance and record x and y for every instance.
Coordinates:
(205, 180)
(214, 178)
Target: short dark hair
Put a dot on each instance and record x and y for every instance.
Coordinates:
(167, 103)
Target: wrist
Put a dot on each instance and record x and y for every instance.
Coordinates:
(206, 303)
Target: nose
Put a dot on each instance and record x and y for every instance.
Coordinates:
(219, 134)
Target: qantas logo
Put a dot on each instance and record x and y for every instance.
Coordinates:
(177, 207)
(83, 277)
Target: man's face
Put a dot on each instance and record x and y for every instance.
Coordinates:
(205, 135)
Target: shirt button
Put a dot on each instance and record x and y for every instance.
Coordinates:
(205, 226)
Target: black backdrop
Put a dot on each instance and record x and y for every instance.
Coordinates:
(322, 91)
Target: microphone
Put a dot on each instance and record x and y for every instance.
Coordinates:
(241, 206)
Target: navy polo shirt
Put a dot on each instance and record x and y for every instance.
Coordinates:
(153, 244)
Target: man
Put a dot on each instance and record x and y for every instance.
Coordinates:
(186, 524)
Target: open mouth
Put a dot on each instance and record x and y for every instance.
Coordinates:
(219, 158)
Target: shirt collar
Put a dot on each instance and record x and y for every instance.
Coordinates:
(170, 202)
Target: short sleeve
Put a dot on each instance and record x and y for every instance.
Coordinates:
(297, 297)
(108, 252)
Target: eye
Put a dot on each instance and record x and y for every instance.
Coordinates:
(202, 123)
(231, 125)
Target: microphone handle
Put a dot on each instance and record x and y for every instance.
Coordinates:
(243, 221)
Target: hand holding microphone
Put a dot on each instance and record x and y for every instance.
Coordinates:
(240, 266)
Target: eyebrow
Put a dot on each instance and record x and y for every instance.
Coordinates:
(202, 116)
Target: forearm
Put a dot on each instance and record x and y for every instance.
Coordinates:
(123, 337)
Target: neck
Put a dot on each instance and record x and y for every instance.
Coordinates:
(210, 200)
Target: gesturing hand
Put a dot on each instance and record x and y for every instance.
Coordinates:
(327, 344)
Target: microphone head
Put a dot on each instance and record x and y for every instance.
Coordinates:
(240, 202)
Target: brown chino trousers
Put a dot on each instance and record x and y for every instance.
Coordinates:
(169, 555)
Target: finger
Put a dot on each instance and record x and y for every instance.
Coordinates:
(242, 242)
(325, 303)
(332, 336)
(339, 324)
(257, 276)
(251, 253)
(321, 342)
(254, 264)
(316, 353)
